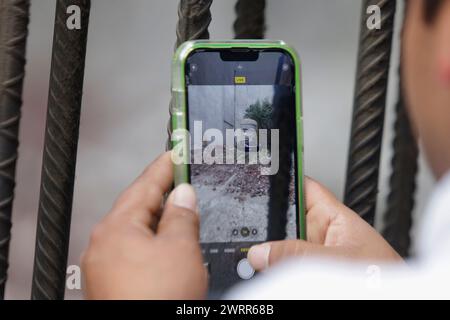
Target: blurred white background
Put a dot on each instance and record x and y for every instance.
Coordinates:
(126, 96)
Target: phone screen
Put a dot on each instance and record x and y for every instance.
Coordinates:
(242, 122)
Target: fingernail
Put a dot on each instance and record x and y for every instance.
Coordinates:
(184, 197)
(258, 256)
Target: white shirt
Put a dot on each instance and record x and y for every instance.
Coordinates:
(425, 277)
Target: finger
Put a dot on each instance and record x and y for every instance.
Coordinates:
(264, 255)
(180, 218)
(316, 194)
(322, 209)
(142, 200)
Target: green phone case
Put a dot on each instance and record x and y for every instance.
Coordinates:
(179, 110)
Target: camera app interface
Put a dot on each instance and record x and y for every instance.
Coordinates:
(241, 117)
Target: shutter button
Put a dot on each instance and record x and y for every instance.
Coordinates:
(245, 270)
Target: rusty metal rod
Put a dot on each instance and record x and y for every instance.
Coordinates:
(60, 151)
(14, 18)
(250, 19)
(194, 18)
(369, 109)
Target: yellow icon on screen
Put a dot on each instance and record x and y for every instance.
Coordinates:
(240, 80)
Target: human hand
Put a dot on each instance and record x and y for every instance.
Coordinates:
(332, 230)
(137, 253)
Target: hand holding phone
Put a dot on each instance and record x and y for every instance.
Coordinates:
(238, 108)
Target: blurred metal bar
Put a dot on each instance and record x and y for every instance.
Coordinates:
(369, 109)
(194, 17)
(250, 20)
(60, 151)
(398, 217)
(14, 18)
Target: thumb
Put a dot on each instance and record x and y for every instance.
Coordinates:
(180, 218)
(264, 255)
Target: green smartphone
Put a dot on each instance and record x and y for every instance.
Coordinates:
(238, 139)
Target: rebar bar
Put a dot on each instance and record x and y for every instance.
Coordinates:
(369, 109)
(250, 19)
(398, 217)
(60, 151)
(14, 18)
(194, 17)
